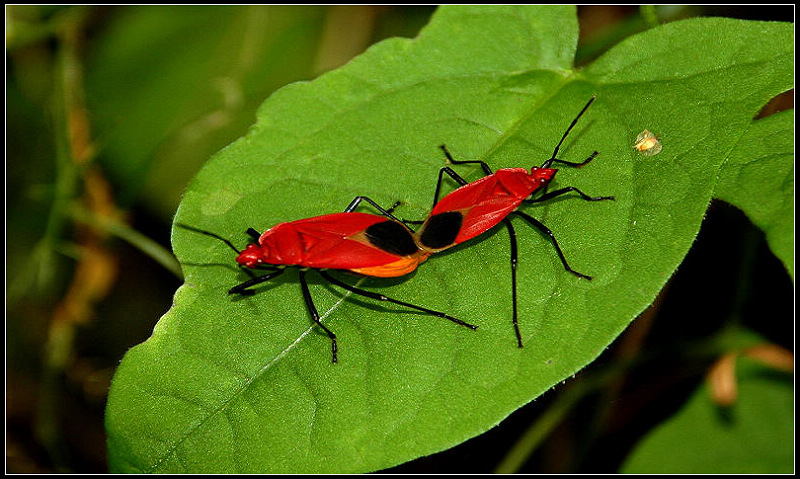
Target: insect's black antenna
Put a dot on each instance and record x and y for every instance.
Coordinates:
(571, 126)
(208, 233)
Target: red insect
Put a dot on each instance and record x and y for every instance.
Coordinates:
(476, 207)
(367, 244)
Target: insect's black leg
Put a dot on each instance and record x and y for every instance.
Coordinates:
(385, 212)
(412, 222)
(389, 213)
(513, 235)
(452, 174)
(450, 159)
(253, 234)
(312, 310)
(404, 221)
(544, 229)
(461, 181)
(380, 297)
(562, 191)
(242, 288)
(455, 176)
(391, 209)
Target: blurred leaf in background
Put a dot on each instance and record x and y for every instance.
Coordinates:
(111, 110)
(749, 431)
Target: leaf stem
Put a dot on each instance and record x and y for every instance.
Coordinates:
(649, 15)
(539, 430)
(136, 239)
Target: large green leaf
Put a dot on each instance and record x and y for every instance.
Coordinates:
(246, 384)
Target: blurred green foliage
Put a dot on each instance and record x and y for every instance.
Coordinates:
(749, 436)
(111, 110)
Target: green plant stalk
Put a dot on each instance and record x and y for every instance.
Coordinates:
(540, 430)
(133, 237)
(535, 435)
(58, 347)
(649, 15)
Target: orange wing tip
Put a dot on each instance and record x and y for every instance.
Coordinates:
(392, 270)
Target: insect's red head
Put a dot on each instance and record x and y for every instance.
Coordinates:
(543, 175)
(252, 256)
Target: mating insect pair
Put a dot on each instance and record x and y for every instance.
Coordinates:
(384, 245)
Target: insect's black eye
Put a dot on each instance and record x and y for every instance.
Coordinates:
(392, 237)
(441, 230)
